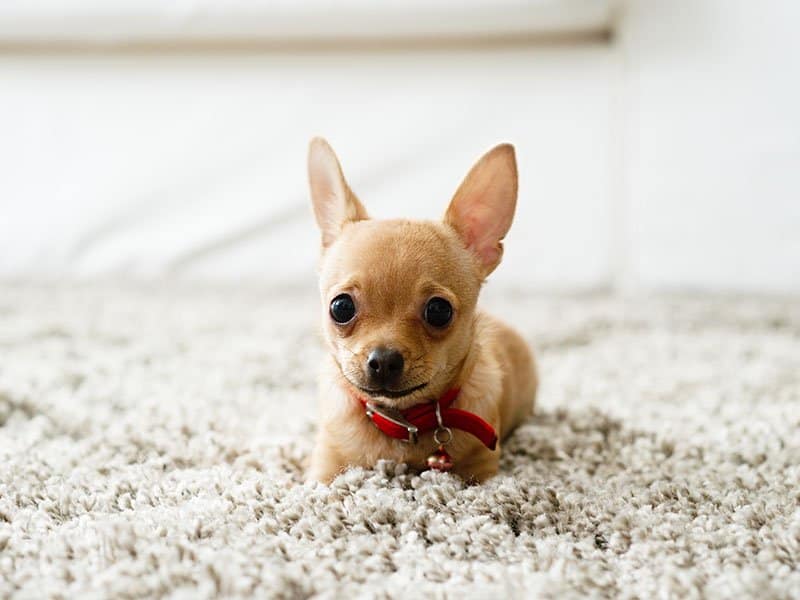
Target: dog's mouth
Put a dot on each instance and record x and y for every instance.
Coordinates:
(387, 393)
(382, 392)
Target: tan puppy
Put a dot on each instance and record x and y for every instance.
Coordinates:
(400, 321)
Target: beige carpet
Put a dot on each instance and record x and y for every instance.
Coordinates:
(151, 443)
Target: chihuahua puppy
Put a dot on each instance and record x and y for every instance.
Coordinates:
(416, 373)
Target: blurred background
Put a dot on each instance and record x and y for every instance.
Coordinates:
(658, 142)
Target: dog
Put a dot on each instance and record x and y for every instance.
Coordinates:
(415, 372)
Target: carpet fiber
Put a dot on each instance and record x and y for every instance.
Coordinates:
(152, 441)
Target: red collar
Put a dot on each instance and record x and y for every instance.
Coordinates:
(406, 425)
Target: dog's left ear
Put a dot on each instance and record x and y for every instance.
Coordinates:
(483, 207)
(334, 202)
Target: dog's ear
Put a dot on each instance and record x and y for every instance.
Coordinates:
(483, 207)
(335, 204)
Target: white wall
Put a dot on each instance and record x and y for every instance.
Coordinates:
(712, 155)
(193, 165)
(668, 159)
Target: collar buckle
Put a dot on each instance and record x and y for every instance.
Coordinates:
(393, 416)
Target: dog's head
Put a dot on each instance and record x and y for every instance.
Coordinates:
(399, 296)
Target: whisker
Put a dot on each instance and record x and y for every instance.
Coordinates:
(350, 351)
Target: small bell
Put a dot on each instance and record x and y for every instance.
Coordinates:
(440, 460)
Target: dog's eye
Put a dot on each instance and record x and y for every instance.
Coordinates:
(343, 309)
(438, 312)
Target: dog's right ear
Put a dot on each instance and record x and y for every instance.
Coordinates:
(483, 207)
(335, 204)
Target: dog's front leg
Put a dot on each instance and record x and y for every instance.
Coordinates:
(480, 465)
(326, 462)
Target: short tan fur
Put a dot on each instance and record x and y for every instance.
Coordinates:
(391, 269)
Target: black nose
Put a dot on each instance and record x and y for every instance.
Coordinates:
(384, 365)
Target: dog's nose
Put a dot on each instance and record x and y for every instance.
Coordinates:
(384, 365)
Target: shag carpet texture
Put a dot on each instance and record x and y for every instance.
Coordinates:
(152, 442)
